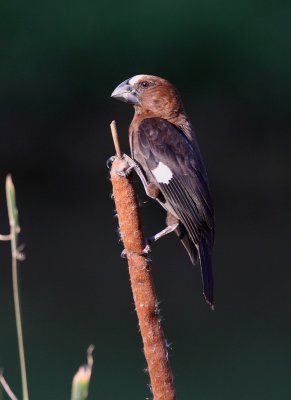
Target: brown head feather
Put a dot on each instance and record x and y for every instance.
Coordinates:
(159, 98)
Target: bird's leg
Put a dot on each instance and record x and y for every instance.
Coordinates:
(133, 165)
(151, 189)
(152, 239)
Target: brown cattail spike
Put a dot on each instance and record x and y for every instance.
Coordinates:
(143, 290)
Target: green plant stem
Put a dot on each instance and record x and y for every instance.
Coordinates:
(14, 231)
(15, 284)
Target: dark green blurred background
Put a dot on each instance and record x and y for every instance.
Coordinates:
(59, 62)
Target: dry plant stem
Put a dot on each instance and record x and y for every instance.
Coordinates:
(144, 295)
(7, 388)
(115, 139)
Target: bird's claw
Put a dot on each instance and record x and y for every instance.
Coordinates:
(145, 252)
(110, 161)
(123, 254)
(126, 165)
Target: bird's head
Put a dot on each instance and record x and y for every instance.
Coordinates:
(150, 95)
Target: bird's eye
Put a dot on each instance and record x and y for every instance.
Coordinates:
(145, 84)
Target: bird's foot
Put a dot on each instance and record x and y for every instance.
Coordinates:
(148, 247)
(125, 166)
(150, 240)
(145, 252)
(128, 166)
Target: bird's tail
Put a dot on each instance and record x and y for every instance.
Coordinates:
(187, 243)
(205, 256)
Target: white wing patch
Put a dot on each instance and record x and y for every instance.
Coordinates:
(162, 173)
(135, 79)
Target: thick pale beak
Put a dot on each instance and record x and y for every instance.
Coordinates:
(125, 92)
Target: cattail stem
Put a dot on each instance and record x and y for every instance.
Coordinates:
(146, 303)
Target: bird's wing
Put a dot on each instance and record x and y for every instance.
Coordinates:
(176, 165)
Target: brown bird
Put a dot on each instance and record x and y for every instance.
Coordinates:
(167, 158)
